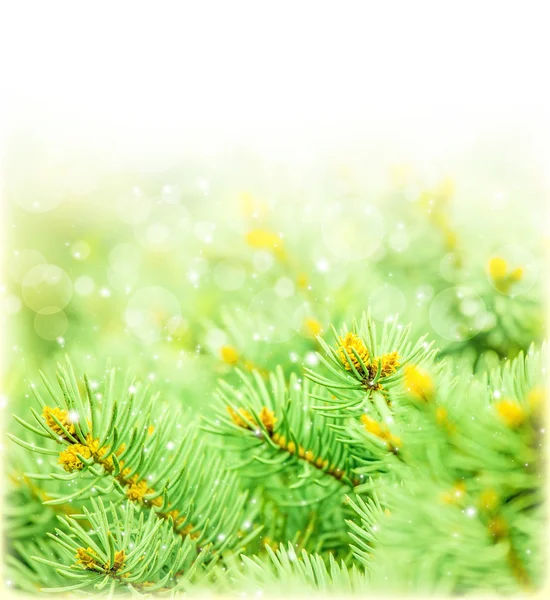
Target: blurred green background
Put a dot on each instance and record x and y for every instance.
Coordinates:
(181, 269)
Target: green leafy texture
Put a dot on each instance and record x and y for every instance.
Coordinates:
(28, 574)
(283, 446)
(436, 470)
(291, 433)
(250, 350)
(351, 380)
(293, 269)
(29, 485)
(125, 549)
(511, 324)
(470, 499)
(129, 445)
(290, 571)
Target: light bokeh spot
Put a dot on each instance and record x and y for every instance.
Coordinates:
(458, 314)
(149, 311)
(351, 233)
(46, 286)
(386, 301)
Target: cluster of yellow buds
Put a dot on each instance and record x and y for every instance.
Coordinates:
(381, 431)
(389, 361)
(136, 487)
(353, 351)
(62, 416)
(348, 344)
(308, 455)
(69, 458)
(88, 558)
(118, 560)
(70, 461)
(501, 276)
(514, 413)
(267, 417)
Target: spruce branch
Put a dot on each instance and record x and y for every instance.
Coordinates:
(129, 460)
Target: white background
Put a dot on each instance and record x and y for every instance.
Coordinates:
(273, 74)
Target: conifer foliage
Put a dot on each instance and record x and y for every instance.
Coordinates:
(342, 397)
(383, 456)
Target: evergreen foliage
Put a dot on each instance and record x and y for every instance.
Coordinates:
(380, 462)
(291, 435)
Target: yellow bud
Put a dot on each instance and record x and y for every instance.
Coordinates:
(237, 417)
(371, 425)
(498, 268)
(87, 557)
(263, 239)
(395, 440)
(488, 499)
(268, 418)
(136, 491)
(498, 527)
(302, 281)
(62, 416)
(69, 460)
(229, 355)
(347, 344)
(516, 274)
(418, 383)
(312, 327)
(390, 362)
(119, 559)
(510, 412)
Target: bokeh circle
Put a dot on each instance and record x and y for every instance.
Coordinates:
(46, 286)
(458, 313)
